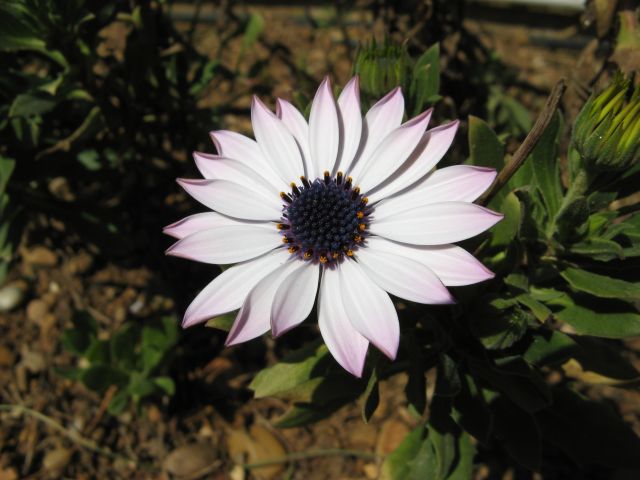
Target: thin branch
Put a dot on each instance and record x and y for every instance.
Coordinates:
(71, 435)
(525, 148)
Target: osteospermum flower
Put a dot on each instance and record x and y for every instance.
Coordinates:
(343, 208)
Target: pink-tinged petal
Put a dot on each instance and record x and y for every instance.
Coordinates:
(227, 245)
(204, 221)
(233, 199)
(434, 145)
(294, 299)
(345, 343)
(324, 131)
(392, 152)
(370, 310)
(214, 167)
(381, 119)
(452, 264)
(299, 128)
(228, 290)
(277, 144)
(254, 318)
(436, 224)
(460, 183)
(246, 150)
(403, 277)
(350, 118)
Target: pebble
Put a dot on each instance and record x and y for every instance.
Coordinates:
(36, 310)
(39, 256)
(57, 459)
(6, 357)
(10, 297)
(190, 459)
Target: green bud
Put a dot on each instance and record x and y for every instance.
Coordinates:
(382, 67)
(607, 130)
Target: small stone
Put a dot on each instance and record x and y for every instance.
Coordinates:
(39, 256)
(57, 459)
(10, 297)
(6, 357)
(36, 310)
(190, 459)
(33, 361)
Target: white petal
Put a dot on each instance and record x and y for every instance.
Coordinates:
(392, 152)
(254, 318)
(204, 221)
(453, 265)
(433, 146)
(233, 199)
(228, 290)
(324, 131)
(214, 167)
(436, 224)
(227, 245)
(403, 277)
(381, 119)
(350, 118)
(299, 128)
(370, 310)
(460, 183)
(243, 149)
(277, 144)
(345, 343)
(294, 299)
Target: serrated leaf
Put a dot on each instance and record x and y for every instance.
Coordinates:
(549, 348)
(101, 377)
(546, 168)
(539, 310)
(425, 80)
(599, 249)
(32, 104)
(396, 465)
(505, 231)
(166, 384)
(601, 285)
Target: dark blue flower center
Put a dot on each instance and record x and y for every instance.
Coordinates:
(325, 219)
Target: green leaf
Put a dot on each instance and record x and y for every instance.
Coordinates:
(140, 387)
(252, 32)
(118, 403)
(473, 413)
(101, 377)
(549, 348)
(599, 249)
(293, 370)
(223, 322)
(7, 165)
(304, 414)
(599, 324)
(396, 466)
(506, 230)
(603, 440)
(539, 310)
(572, 217)
(463, 467)
(123, 345)
(448, 378)
(32, 104)
(601, 285)
(166, 384)
(371, 397)
(500, 328)
(546, 168)
(99, 352)
(485, 149)
(425, 81)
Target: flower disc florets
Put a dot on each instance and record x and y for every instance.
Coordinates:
(325, 219)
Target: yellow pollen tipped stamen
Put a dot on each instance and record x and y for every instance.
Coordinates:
(323, 259)
(348, 182)
(362, 227)
(293, 249)
(285, 197)
(356, 190)
(294, 189)
(335, 255)
(308, 254)
(283, 226)
(365, 200)
(357, 239)
(286, 239)
(349, 253)
(339, 178)
(304, 181)
(360, 214)
(327, 176)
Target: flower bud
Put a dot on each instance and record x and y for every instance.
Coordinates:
(382, 67)
(607, 130)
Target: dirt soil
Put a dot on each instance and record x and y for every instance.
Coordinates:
(212, 425)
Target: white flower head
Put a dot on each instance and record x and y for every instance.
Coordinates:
(342, 208)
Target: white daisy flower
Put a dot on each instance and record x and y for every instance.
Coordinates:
(345, 208)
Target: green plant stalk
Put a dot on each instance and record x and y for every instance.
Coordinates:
(577, 189)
